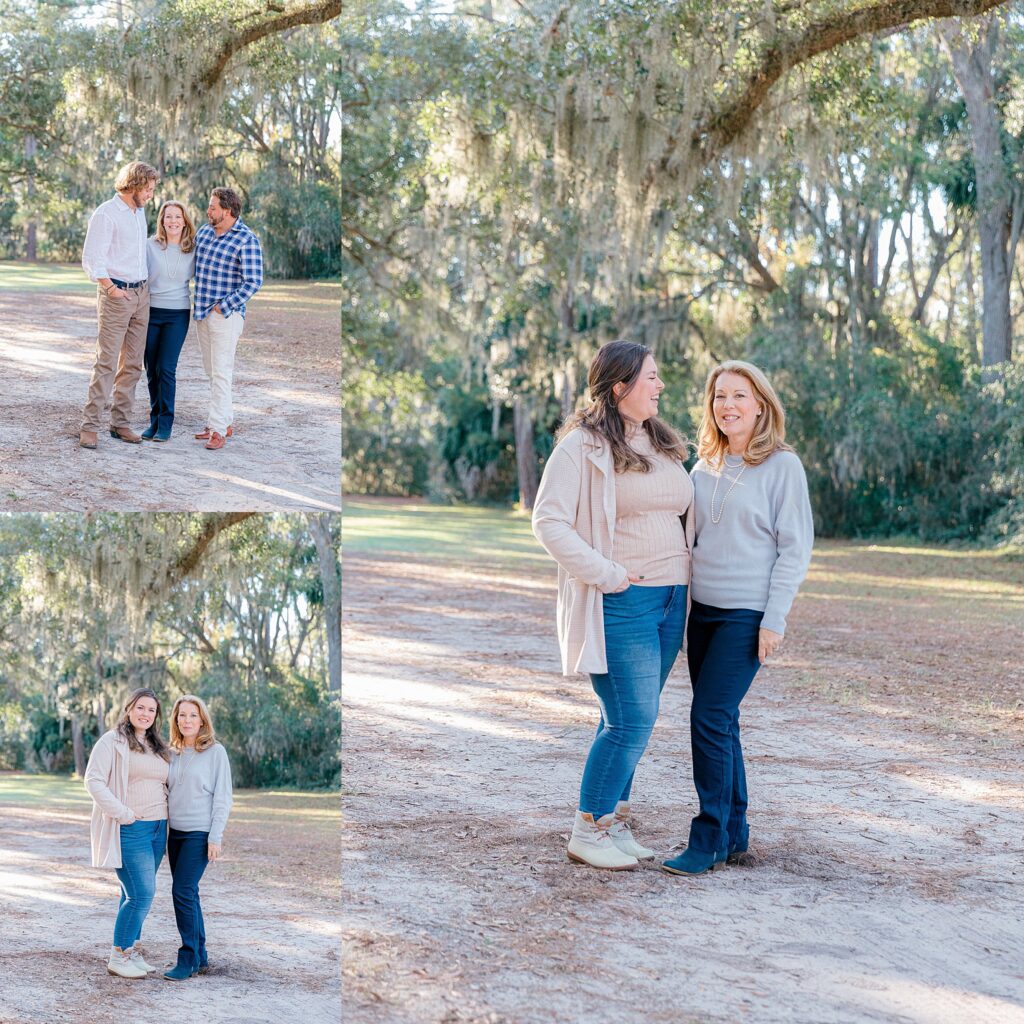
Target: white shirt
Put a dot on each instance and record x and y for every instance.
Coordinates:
(115, 244)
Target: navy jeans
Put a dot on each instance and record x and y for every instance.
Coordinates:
(186, 853)
(722, 656)
(142, 849)
(164, 339)
(643, 631)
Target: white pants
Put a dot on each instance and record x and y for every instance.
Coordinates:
(218, 339)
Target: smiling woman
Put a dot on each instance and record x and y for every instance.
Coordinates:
(127, 780)
(613, 510)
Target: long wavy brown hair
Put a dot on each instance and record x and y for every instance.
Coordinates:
(125, 728)
(769, 434)
(620, 362)
(188, 229)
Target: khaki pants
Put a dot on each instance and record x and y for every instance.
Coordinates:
(120, 346)
(218, 339)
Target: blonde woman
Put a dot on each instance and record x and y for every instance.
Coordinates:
(614, 511)
(754, 532)
(199, 805)
(127, 780)
(171, 262)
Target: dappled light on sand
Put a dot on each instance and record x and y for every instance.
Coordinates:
(884, 753)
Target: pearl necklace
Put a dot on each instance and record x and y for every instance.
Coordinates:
(177, 262)
(721, 508)
(183, 765)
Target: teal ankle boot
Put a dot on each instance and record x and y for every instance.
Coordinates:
(179, 972)
(695, 862)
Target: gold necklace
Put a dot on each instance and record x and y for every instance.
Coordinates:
(725, 497)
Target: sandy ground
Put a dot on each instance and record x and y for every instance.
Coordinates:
(286, 452)
(885, 750)
(272, 936)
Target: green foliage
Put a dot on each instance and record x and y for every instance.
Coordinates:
(286, 732)
(905, 439)
(84, 96)
(93, 606)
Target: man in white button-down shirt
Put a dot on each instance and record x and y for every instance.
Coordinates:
(114, 257)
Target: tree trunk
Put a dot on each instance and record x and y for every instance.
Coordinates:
(526, 454)
(330, 574)
(78, 746)
(972, 66)
(30, 229)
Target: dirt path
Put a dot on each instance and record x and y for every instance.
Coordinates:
(271, 909)
(885, 750)
(287, 449)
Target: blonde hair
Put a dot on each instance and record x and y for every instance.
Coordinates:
(205, 737)
(770, 432)
(188, 232)
(135, 176)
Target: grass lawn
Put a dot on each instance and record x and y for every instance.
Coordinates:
(317, 811)
(441, 533)
(44, 277)
(282, 296)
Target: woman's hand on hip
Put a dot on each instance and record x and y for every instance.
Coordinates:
(627, 583)
(213, 851)
(767, 644)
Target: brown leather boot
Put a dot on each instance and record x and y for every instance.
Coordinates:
(87, 438)
(204, 434)
(126, 434)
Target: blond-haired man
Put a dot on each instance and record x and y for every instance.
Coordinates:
(114, 256)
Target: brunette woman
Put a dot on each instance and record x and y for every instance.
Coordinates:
(127, 780)
(199, 804)
(752, 550)
(171, 262)
(614, 511)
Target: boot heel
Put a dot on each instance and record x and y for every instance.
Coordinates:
(719, 865)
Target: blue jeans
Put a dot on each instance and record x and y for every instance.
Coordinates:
(722, 656)
(164, 339)
(186, 852)
(643, 631)
(142, 849)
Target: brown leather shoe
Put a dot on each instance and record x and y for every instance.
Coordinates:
(216, 441)
(88, 438)
(204, 434)
(126, 434)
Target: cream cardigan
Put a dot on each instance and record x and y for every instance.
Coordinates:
(574, 518)
(106, 779)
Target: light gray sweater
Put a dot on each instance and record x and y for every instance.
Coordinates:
(199, 792)
(757, 554)
(170, 271)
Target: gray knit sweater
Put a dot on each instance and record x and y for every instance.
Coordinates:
(170, 271)
(757, 554)
(199, 792)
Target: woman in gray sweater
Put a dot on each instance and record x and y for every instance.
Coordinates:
(754, 532)
(198, 805)
(171, 262)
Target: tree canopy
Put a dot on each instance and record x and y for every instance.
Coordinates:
(810, 186)
(243, 609)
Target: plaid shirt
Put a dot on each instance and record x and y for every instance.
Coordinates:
(229, 269)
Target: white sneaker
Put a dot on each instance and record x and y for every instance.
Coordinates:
(621, 835)
(135, 955)
(120, 964)
(591, 844)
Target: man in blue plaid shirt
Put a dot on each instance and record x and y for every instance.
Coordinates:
(229, 272)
